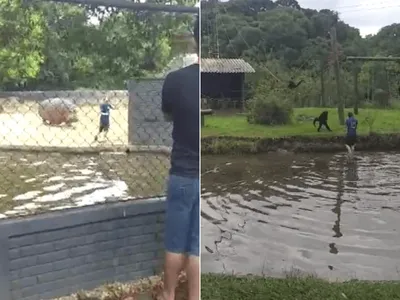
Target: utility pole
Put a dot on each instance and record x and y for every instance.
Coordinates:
(322, 81)
(337, 75)
(356, 93)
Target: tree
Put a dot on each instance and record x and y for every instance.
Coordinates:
(47, 45)
(22, 42)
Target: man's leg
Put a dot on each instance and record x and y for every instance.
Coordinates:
(177, 225)
(96, 137)
(353, 147)
(106, 131)
(173, 265)
(349, 146)
(101, 128)
(352, 144)
(193, 249)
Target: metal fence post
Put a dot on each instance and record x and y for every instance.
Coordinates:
(131, 84)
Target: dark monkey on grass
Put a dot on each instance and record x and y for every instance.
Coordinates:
(322, 120)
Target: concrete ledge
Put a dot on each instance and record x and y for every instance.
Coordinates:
(58, 253)
(95, 149)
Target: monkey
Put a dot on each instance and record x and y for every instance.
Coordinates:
(322, 120)
(292, 85)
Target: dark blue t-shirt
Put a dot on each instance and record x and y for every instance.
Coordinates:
(351, 124)
(180, 100)
(105, 113)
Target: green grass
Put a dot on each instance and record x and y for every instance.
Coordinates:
(386, 121)
(223, 287)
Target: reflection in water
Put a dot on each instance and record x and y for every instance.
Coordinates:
(351, 174)
(338, 206)
(351, 178)
(281, 209)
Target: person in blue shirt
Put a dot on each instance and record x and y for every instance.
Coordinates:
(104, 119)
(351, 135)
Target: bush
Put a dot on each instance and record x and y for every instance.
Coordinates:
(271, 110)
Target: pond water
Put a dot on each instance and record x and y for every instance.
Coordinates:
(321, 214)
(34, 183)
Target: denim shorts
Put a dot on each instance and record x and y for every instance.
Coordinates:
(182, 224)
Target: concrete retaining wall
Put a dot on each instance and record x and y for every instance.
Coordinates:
(146, 122)
(77, 96)
(55, 254)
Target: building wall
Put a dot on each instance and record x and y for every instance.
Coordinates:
(146, 120)
(55, 254)
(217, 86)
(77, 96)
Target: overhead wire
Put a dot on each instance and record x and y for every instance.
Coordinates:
(351, 6)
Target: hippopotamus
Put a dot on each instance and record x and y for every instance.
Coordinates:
(56, 111)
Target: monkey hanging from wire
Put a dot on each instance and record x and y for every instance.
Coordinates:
(292, 85)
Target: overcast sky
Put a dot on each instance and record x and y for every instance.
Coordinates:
(367, 15)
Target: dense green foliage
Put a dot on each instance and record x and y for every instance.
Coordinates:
(47, 45)
(282, 40)
(270, 110)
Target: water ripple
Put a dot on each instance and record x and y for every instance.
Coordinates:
(323, 214)
(34, 183)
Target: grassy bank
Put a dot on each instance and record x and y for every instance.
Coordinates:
(386, 121)
(224, 287)
(232, 134)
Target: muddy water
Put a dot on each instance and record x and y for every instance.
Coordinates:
(36, 183)
(272, 214)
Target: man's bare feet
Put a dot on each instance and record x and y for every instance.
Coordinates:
(164, 296)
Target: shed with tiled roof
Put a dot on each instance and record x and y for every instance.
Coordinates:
(225, 65)
(222, 81)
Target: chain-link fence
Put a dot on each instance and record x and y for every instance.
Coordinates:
(80, 120)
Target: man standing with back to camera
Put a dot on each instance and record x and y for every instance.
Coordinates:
(180, 104)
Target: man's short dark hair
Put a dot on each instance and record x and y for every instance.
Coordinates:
(196, 33)
(350, 114)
